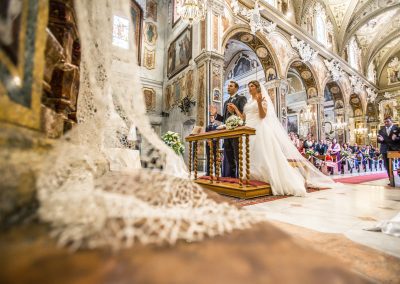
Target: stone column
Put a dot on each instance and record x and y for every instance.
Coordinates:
(277, 90)
(317, 108)
(210, 63)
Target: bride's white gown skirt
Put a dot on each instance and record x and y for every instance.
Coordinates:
(267, 160)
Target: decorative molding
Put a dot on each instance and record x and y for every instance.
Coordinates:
(357, 84)
(334, 68)
(256, 21)
(391, 95)
(149, 58)
(371, 95)
(307, 54)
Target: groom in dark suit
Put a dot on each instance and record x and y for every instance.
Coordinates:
(388, 137)
(231, 146)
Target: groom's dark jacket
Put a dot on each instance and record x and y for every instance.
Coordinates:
(238, 100)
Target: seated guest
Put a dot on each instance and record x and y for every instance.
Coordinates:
(346, 160)
(329, 162)
(319, 148)
(308, 143)
(334, 148)
(368, 154)
(358, 159)
(300, 146)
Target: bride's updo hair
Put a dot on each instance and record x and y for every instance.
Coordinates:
(257, 84)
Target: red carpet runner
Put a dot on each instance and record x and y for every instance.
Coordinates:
(363, 178)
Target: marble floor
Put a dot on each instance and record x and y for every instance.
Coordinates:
(346, 210)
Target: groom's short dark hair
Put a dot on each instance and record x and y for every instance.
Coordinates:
(235, 83)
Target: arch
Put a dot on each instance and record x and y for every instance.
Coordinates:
(241, 28)
(379, 46)
(310, 68)
(349, 33)
(384, 62)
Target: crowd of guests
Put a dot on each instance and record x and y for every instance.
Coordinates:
(333, 155)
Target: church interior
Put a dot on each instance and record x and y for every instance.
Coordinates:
(331, 69)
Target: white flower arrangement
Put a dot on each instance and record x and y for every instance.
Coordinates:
(233, 121)
(173, 140)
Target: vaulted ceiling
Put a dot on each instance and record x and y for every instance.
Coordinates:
(374, 23)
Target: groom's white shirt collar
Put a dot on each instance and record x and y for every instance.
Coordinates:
(233, 96)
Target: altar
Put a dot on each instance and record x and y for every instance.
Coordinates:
(242, 187)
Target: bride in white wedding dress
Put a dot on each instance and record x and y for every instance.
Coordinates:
(271, 149)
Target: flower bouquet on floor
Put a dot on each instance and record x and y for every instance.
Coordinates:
(173, 140)
(233, 121)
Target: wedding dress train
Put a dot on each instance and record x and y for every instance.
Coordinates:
(270, 153)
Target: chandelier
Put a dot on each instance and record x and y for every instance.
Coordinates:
(360, 130)
(308, 115)
(192, 11)
(339, 125)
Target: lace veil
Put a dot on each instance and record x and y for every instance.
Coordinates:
(87, 204)
(311, 174)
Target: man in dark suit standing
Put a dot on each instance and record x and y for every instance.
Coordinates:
(231, 146)
(388, 137)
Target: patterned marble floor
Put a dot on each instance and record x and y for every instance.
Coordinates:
(347, 210)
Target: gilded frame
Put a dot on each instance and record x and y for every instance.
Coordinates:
(21, 82)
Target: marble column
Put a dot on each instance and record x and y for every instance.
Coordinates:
(317, 108)
(209, 63)
(277, 90)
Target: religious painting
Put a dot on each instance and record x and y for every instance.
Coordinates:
(242, 66)
(189, 83)
(217, 95)
(305, 74)
(149, 99)
(246, 38)
(169, 98)
(151, 9)
(149, 58)
(150, 31)
(137, 19)
(293, 123)
(387, 111)
(22, 45)
(393, 71)
(312, 92)
(328, 95)
(339, 104)
(262, 52)
(175, 16)
(179, 53)
(270, 74)
(358, 112)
